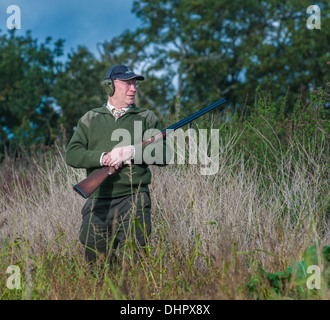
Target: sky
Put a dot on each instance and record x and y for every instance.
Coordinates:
(84, 22)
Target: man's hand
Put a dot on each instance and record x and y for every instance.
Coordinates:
(117, 156)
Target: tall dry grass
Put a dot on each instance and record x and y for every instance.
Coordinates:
(210, 233)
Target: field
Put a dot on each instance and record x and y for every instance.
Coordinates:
(238, 234)
(252, 222)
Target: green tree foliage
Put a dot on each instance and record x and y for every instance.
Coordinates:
(77, 89)
(192, 52)
(222, 48)
(27, 75)
(288, 55)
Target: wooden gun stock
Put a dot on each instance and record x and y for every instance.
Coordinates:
(87, 186)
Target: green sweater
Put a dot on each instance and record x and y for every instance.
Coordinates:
(97, 133)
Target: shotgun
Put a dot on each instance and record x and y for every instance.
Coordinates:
(87, 186)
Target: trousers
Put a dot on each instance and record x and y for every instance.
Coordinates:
(111, 224)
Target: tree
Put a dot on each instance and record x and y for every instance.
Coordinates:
(222, 48)
(27, 75)
(77, 89)
(290, 59)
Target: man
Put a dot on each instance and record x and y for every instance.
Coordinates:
(119, 210)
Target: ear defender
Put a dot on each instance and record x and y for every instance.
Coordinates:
(108, 87)
(107, 84)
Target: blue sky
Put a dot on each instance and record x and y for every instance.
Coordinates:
(84, 22)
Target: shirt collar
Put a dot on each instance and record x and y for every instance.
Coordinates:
(111, 107)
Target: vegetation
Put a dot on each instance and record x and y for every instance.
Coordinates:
(191, 52)
(249, 231)
(241, 233)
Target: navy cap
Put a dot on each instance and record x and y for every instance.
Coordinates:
(122, 72)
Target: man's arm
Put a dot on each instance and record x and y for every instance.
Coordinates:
(77, 154)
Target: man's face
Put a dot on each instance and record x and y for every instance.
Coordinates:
(124, 92)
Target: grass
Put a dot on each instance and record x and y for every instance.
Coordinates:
(211, 234)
